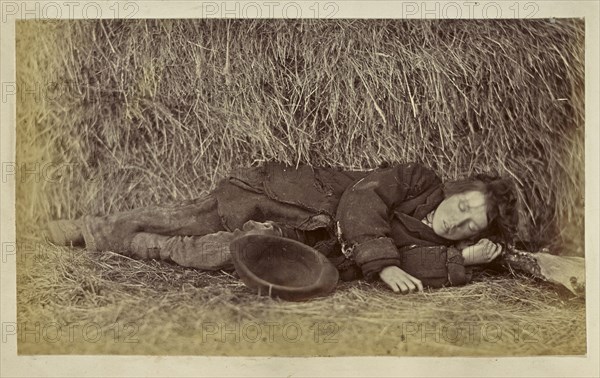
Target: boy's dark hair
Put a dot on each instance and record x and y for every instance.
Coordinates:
(501, 201)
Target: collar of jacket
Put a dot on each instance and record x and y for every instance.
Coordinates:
(416, 226)
(431, 203)
(420, 230)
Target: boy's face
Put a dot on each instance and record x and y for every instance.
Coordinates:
(461, 216)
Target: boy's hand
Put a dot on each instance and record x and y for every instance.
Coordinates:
(399, 280)
(481, 253)
(260, 228)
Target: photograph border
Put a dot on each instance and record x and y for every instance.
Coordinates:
(155, 366)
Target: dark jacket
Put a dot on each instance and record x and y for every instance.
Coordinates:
(373, 218)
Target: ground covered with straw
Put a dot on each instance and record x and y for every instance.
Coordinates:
(87, 303)
(118, 114)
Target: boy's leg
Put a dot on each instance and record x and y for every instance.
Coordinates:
(196, 217)
(116, 231)
(208, 252)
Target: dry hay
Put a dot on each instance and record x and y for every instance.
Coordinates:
(172, 310)
(147, 111)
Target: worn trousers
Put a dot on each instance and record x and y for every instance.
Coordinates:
(190, 233)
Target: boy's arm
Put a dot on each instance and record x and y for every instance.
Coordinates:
(436, 266)
(366, 209)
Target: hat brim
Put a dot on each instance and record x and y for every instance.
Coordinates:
(282, 268)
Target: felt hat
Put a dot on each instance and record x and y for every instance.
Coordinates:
(283, 268)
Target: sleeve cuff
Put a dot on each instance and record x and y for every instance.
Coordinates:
(455, 262)
(435, 266)
(374, 255)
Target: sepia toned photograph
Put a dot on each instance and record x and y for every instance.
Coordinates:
(300, 187)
